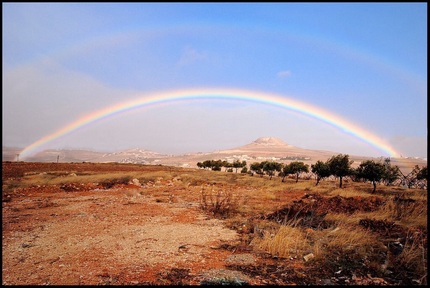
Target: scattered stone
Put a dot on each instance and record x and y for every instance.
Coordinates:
(309, 257)
(241, 259)
(223, 277)
(326, 282)
(183, 248)
(136, 182)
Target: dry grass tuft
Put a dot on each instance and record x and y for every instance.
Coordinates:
(286, 242)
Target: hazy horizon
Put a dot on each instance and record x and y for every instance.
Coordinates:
(196, 151)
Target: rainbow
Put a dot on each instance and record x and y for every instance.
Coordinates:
(221, 94)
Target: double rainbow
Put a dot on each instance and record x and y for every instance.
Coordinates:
(221, 94)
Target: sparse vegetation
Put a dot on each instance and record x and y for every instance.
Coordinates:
(348, 230)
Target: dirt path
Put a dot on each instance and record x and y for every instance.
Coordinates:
(117, 236)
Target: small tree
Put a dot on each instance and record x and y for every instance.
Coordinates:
(371, 171)
(286, 170)
(257, 168)
(238, 164)
(297, 167)
(216, 165)
(321, 169)
(270, 167)
(207, 164)
(227, 165)
(340, 166)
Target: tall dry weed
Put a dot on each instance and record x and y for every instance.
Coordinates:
(219, 202)
(348, 248)
(286, 242)
(413, 260)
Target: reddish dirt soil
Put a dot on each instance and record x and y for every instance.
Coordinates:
(114, 236)
(89, 235)
(101, 237)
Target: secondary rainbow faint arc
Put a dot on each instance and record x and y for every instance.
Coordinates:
(217, 93)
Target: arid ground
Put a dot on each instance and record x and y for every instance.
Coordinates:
(61, 225)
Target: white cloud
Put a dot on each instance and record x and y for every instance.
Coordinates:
(284, 74)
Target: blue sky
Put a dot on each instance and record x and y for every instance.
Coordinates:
(365, 62)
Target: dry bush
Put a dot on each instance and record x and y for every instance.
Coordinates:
(412, 262)
(408, 211)
(346, 238)
(409, 208)
(220, 203)
(347, 248)
(10, 185)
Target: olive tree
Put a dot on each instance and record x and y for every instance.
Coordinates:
(297, 167)
(371, 171)
(270, 167)
(238, 164)
(257, 168)
(321, 169)
(340, 166)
